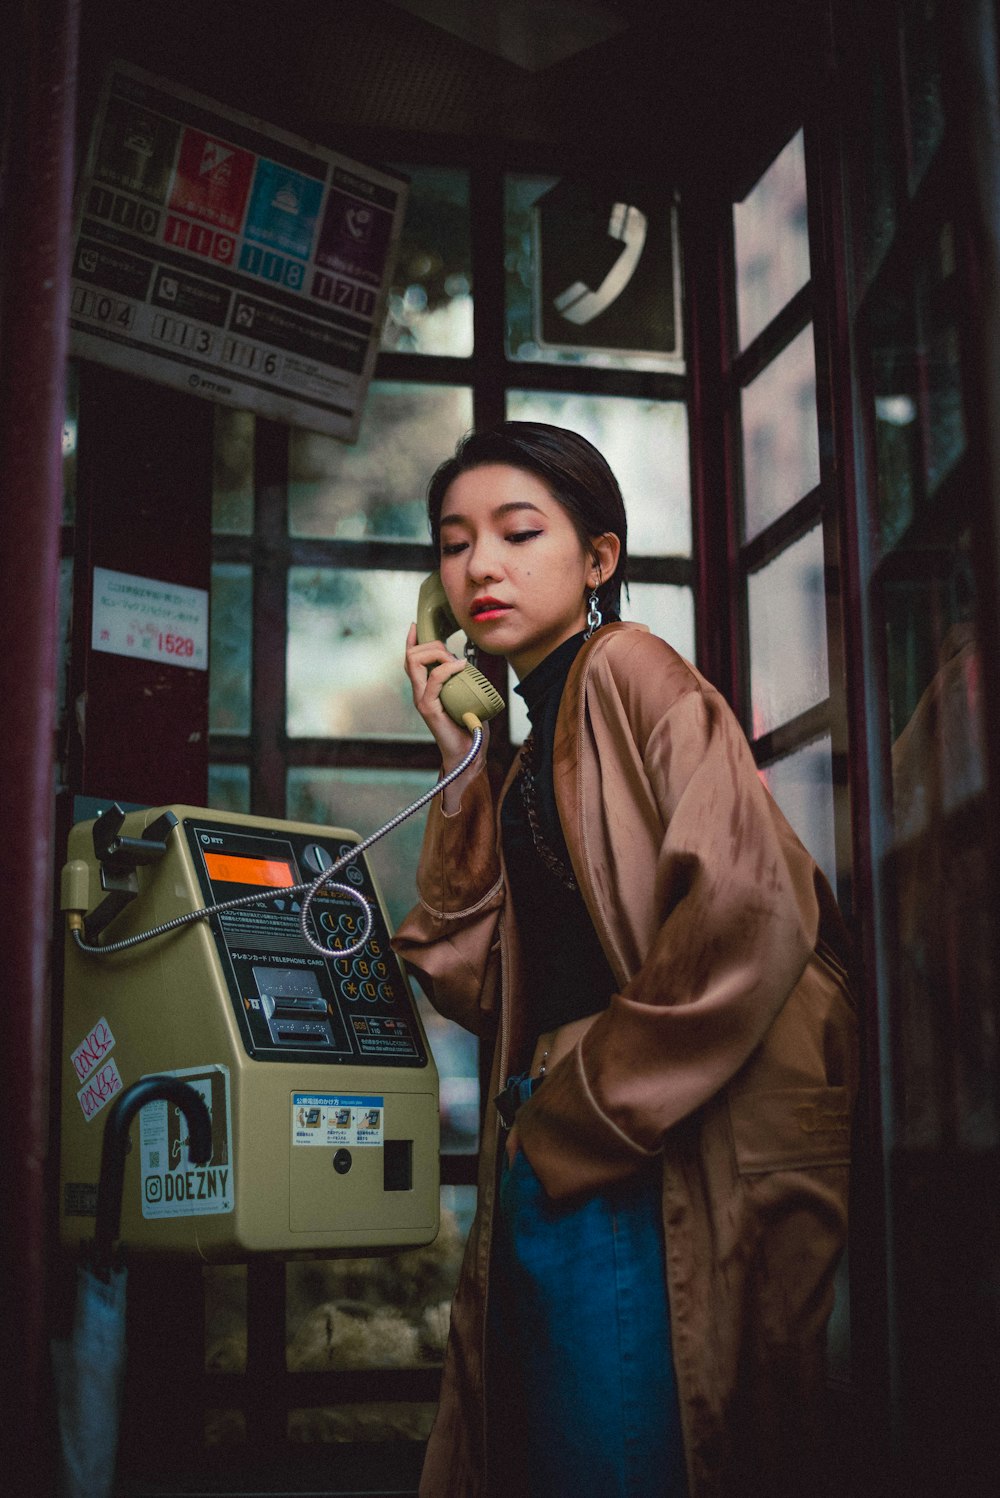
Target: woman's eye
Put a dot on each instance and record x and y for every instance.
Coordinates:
(518, 536)
(452, 548)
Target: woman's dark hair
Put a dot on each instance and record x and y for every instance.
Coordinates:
(569, 466)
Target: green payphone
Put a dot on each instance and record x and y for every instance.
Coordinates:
(288, 1011)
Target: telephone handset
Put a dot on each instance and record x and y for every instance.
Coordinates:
(469, 692)
(578, 303)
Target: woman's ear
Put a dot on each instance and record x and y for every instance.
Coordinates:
(605, 551)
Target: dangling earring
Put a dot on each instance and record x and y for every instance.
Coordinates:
(594, 616)
(470, 653)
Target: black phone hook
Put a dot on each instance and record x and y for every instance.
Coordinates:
(115, 1144)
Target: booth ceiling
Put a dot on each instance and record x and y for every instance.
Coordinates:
(532, 34)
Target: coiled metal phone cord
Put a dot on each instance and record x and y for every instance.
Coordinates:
(310, 889)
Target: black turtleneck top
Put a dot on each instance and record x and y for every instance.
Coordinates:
(569, 975)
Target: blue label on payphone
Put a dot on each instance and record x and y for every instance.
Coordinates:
(292, 1004)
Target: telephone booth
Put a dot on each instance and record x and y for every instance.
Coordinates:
(753, 254)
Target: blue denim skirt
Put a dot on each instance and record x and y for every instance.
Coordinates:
(583, 1397)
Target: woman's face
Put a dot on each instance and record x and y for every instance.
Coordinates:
(515, 571)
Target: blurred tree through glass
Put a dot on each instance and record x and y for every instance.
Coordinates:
(430, 298)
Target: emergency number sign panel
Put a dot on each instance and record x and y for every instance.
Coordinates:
(228, 258)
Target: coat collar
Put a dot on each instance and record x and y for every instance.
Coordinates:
(567, 762)
(566, 749)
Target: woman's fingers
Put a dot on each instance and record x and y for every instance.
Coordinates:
(429, 666)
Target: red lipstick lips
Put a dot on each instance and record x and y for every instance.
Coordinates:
(487, 608)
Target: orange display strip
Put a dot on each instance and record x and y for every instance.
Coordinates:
(230, 869)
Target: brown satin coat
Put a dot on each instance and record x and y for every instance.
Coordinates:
(729, 1052)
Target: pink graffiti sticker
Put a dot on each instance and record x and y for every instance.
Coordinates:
(99, 1090)
(92, 1050)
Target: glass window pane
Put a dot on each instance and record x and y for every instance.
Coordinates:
(646, 444)
(896, 428)
(772, 241)
(802, 785)
(667, 609)
(368, 1422)
(225, 1316)
(229, 787)
(838, 1335)
(346, 637)
(377, 486)
(229, 648)
(364, 800)
(937, 880)
(232, 472)
(225, 1427)
(780, 436)
(456, 1055)
(430, 297)
(521, 193)
(938, 319)
(378, 1312)
(923, 84)
(877, 168)
(786, 605)
(935, 694)
(916, 369)
(940, 898)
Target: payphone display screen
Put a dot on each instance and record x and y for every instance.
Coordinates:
(291, 1003)
(227, 868)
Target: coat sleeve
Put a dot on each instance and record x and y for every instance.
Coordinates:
(738, 922)
(449, 939)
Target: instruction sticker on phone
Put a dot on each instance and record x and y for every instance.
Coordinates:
(328, 1119)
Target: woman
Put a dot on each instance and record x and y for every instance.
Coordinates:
(660, 969)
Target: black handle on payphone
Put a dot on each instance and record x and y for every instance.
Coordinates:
(121, 855)
(115, 1144)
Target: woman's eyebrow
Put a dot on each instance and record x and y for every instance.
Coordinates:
(497, 514)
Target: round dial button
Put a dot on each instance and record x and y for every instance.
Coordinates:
(316, 858)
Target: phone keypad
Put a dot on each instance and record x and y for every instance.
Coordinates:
(354, 1009)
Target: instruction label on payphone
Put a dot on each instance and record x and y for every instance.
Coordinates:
(328, 1119)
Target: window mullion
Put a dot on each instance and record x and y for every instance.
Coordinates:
(487, 222)
(270, 618)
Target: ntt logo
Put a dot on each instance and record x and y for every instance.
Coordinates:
(198, 382)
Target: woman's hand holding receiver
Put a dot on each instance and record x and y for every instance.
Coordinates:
(429, 666)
